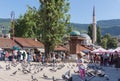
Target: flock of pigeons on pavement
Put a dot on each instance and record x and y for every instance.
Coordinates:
(33, 69)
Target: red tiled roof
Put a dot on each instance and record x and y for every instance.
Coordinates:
(28, 42)
(60, 48)
(85, 48)
(6, 43)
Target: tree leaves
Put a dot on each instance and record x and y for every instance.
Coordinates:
(49, 23)
(54, 21)
(109, 42)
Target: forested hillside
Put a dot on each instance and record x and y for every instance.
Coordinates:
(107, 26)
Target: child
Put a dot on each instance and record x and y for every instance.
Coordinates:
(81, 67)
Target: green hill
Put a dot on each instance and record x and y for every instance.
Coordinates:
(107, 26)
(80, 27)
(113, 30)
(109, 23)
(5, 23)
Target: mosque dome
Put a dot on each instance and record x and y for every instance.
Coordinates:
(75, 33)
(85, 36)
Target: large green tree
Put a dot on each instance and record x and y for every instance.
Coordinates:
(112, 43)
(90, 30)
(25, 25)
(53, 19)
(108, 41)
(104, 43)
(98, 35)
(50, 23)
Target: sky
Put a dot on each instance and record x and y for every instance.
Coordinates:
(80, 10)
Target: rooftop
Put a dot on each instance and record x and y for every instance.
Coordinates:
(75, 33)
(7, 43)
(28, 42)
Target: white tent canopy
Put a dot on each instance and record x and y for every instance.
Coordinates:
(110, 50)
(1, 49)
(117, 49)
(99, 50)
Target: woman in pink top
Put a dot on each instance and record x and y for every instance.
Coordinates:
(81, 67)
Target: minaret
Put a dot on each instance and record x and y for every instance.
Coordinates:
(94, 27)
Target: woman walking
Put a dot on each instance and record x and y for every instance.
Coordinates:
(81, 67)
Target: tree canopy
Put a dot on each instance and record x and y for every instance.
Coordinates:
(90, 30)
(108, 41)
(50, 23)
(25, 25)
(53, 21)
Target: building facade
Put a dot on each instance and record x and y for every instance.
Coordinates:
(78, 42)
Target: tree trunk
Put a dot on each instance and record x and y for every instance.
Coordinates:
(47, 51)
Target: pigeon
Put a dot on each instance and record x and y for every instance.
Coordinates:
(53, 78)
(37, 70)
(54, 70)
(89, 74)
(41, 69)
(70, 79)
(73, 65)
(8, 67)
(59, 68)
(45, 76)
(13, 73)
(63, 77)
(14, 65)
(66, 75)
(100, 73)
(19, 69)
(33, 78)
(76, 71)
(68, 67)
(25, 71)
(106, 77)
(1, 67)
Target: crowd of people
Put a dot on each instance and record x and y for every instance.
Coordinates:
(105, 59)
(29, 56)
